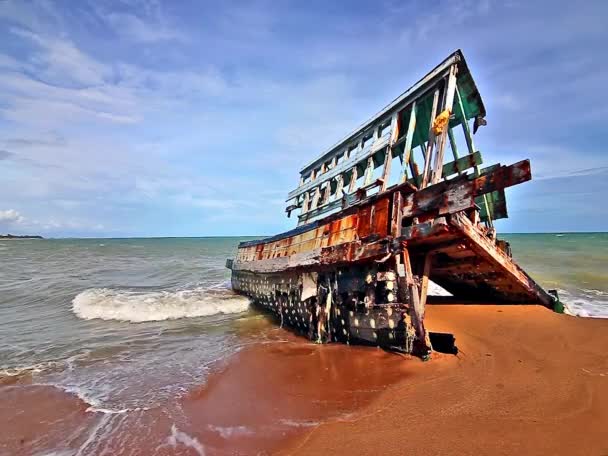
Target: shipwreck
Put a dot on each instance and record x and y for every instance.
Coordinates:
(384, 211)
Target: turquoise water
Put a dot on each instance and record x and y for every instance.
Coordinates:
(576, 264)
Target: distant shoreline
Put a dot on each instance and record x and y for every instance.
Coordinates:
(15, 237)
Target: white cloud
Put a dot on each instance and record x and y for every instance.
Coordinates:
(11, 216)
(136, 29)
(60, 61)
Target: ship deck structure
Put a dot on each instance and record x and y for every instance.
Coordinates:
(385, 210)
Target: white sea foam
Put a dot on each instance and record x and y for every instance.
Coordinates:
(136, 306)
(180, 437)
(20, 371)
(229, 431)
(584, 302)
(592, 308)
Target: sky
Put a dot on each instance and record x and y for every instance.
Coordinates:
(192, 118)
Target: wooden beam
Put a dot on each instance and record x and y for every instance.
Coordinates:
(315, 198)
(339, 187)
(305, 206)
(353, 181)
(441, 143)
(424, 282)
(428, 153)
(388, 159)
(455, 195)
(465, 123)
(395, 229)
(469, 140)
(407, 150)
(458, 166)
(386, 172)
(453, 145)
(421, 345)
(369, 172)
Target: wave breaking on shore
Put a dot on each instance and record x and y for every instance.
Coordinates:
(137, 306)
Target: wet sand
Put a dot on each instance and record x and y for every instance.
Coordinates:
(526, 381)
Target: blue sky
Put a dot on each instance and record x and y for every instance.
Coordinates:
(147, 118)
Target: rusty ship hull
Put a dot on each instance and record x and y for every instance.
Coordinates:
(357, 267)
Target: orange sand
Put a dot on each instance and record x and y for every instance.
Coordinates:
(526, 381)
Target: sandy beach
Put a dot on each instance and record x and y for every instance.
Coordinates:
(526, 381)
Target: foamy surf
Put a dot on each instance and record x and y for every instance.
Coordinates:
(135, 306)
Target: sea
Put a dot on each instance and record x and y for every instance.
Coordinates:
(127, 324)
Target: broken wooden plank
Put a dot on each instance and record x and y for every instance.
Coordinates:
(459, 194)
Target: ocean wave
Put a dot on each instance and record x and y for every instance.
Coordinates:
(137, 306)
(584, 302)
(586, 308)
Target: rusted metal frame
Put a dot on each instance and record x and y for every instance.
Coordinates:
(428, 153)
(441, 142)
(459, 194)
(487, 249)
(469, 140)
(407, 149)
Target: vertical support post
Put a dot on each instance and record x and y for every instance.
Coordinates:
(353, 180)
(428, 154)
(305, 202)
(325, 193)
(465, 124)
(369, 171)
(407, 149)
(453, 146)
(471, 147)
(424, 285)
(339, 186)
(315, 198)
(396, 214)
(421, 345)
(448, 102)
(386, 174)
